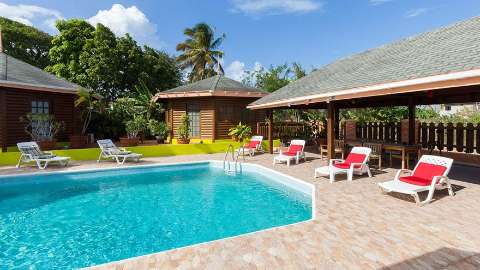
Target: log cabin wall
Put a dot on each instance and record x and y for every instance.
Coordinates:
(18, 103)
(217, 115)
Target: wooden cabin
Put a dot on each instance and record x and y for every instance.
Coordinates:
(214, 105)
(27, 89)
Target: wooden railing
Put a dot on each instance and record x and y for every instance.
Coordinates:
(451, 137)
(283, 129)
(385, 132)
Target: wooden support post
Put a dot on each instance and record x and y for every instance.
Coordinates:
(330, 130)
(337, 123)
(411, 121)
(3, 121)
(270, 131)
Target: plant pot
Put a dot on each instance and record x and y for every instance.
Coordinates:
(127, 142)
(47, 145)
(78, 141)
(183, 141)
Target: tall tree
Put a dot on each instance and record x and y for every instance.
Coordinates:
(67, 48)
(160, 71)
(200, 52)
(25, 42)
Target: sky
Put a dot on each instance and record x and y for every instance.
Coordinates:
(258, 32)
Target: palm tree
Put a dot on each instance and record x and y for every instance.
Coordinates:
(200, 52)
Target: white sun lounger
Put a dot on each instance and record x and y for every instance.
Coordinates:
(428, 175)
(31, 152)
(255, 145)
(108, 150)
(295, 152)
(355, 163)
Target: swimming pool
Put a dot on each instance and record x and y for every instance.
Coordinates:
(78, 219)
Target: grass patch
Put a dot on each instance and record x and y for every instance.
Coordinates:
(11, 158)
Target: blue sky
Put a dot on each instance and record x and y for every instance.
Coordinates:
(311, 32)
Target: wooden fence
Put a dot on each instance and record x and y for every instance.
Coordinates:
(283, 130)
(385, 132)
(451, 137)
(443, 137)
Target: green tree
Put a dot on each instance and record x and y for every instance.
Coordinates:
(160, 71)
(67, 48)
(25, 42)
(200, 52)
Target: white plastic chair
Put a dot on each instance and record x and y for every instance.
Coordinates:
(108, 150)
(355, 163)
(295, 152)
(255, 145)
(429, 174)
(31, 152)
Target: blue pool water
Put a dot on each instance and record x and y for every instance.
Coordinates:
(73, 220)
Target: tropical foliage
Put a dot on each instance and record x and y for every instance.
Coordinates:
(112, 66)
(89, 103)
(240, 132)
(183, 130)
(25, 42)
(41, 127)
(158, 128)
(200, 52)
(135, 126)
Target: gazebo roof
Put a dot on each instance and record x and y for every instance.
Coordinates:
(18, 74)
(218, 85)
(446, 57)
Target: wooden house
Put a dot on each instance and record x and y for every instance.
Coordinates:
(214, 105)
(27, 89)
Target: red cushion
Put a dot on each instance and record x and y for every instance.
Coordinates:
(293, 149)
(351, 158)
(424, 173)
(416, 180)
(253, 144)
(428, 171)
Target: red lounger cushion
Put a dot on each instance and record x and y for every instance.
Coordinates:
(293, 149)
(352, 158)
(424, 174)
(253, 144)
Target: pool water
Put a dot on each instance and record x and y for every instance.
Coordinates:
(74, 220)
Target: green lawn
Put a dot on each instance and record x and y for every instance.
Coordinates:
(11, 157)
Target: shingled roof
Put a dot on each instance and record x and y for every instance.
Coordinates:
(448, 53)
(18, 74)
(218, 85)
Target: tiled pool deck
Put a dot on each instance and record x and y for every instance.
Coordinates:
(356, 227)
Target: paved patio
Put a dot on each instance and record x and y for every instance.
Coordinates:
(356, 227)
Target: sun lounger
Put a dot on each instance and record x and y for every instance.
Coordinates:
(255, 145)
(295, 152)
(108, 150)
(31, 152)
(355, 163)
(429, 174)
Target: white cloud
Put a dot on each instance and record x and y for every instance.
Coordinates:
(237, 71)
(379, 2)
(416, 12)
(31, 14)
(122, 20)
(276, 6)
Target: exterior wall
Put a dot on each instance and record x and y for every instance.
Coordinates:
(214, 121)
(18, 104)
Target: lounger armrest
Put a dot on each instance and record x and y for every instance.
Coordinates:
(334, 161)
(438, 179)
(400, 172)
(352, 165)
(48, 152)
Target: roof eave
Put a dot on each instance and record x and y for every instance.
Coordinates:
(45, 88)
(189, 94)
(436, 82)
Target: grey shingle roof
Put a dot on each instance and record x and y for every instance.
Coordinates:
(15, 71)
(449, 49)
(215, 83)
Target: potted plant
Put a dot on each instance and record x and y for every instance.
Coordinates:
(42, 128)
(240, 132)
(183, 131)
(158, 129)
(88, 103)
(133, 127)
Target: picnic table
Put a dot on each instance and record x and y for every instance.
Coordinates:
(405, 150)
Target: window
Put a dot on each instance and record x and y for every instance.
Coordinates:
(40, 107)
(194, 116)
(448, 108)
